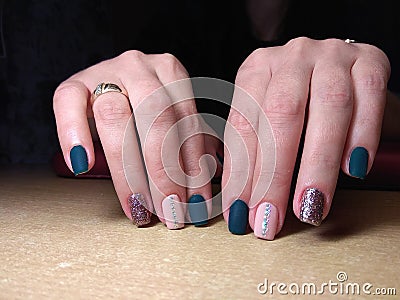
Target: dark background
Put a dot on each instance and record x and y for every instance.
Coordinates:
(44, 42)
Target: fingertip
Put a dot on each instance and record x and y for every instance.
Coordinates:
(80, 159)
(358, 162)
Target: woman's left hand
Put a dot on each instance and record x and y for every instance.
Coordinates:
(336, 93)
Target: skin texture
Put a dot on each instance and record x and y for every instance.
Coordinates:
(138, 75)
(333, 90)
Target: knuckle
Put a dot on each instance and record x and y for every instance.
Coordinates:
(255, 60)
(335, 96)
(384, 60)
(373, 82)
(241, 124)
(131, 55)
(190, 125)
(319, 159)
(111, 110)
(192, 166)
(156, 106)
(301, 40)
(170, 63)
(334, 46)
(114, 153)
(283, 105)
(159, 172)
(66, 91)
(299, 45)
(281, 179)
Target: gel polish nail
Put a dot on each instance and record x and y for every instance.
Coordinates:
(358, 164)
(198, 210)
(238, 217)
(312, 206)
(79, 160)
(173, 212)
(140, 215)
(266, 222)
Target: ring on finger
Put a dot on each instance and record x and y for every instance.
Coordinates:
(103, 88)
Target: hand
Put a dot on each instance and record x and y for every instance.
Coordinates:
(332, 90)
(162, 121)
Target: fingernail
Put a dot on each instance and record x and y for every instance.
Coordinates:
(358, 164)
(79, 160)
(266, 221)
(238, 217)
(140, 215)
(173, 212)
(198, 210)
(312, 206)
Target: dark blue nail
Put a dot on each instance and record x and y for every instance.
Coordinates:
(198, 210)
(358, 162)
(238, 217)
(79, 160)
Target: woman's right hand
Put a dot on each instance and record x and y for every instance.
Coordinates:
(171, 173)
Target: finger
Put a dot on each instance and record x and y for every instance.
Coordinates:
(155, 120)
(190, 128)
(115, 127)
(241, 141)
(369, 81)
(330, 111)
(214, 147)
(70, 107)
(282, 122)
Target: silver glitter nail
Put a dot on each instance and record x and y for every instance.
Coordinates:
(140, 215)
(265, 222)
(312, 206)
(172, 205)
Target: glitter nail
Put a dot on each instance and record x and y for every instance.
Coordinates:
(172, 204)
(265, 222)
(140, 215)
(312, 206)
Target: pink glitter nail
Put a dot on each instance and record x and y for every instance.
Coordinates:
(312, 206)
(140, 215)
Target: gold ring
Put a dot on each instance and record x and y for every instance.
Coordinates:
(103, 88)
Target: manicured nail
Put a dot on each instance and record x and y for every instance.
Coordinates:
(312, 206)
(140, 215)
(79, 160)
(238, 217)
(266, 221)
(358, 162)
(198, 210)
(173, 212)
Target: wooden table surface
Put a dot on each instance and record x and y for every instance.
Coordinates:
(68, 239)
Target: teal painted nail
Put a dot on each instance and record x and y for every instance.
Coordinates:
(238, 217)
(198, 210)
(79, 160)
(358, 162)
